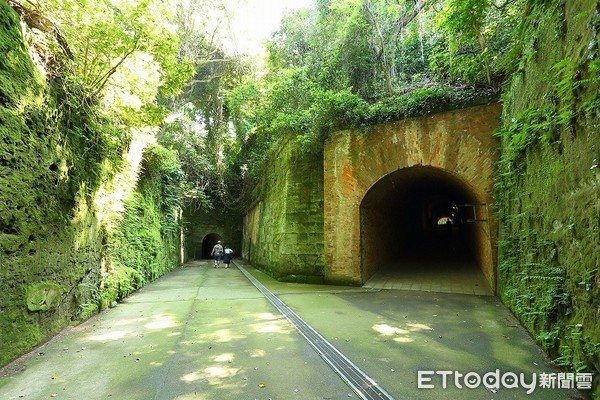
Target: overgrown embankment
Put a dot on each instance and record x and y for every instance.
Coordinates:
(549, 183)
(78, 229)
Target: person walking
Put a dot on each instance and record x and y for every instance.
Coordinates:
(227, 256)
(217, 253)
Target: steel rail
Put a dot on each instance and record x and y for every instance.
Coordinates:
(365, 387)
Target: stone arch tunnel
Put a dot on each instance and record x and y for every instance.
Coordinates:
(421, 216)
(208, 243)
(388, 194)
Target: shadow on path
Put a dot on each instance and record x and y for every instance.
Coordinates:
(204, 333)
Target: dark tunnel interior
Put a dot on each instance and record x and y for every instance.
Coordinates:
(418, 214)
(207, 245)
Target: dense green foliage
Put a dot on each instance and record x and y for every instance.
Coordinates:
(351, 64)
(548, 183)
(145, 244)
(342, 64)
(198, 126)
(123, 54)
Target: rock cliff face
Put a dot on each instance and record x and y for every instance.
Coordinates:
(78, 229)
(549, 182)
(40, 270)
(283, 230)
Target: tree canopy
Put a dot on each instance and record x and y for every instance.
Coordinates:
(351, 63)
(335, 65)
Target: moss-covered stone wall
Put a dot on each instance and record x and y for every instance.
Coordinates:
(283, 229)
(549, 183)
(203, 227)
(76, 231)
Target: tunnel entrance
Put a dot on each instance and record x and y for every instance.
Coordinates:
(422, 225)
(208, 242)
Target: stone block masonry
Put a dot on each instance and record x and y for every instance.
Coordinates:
(283, 229)
(458, 144)
(306, 217)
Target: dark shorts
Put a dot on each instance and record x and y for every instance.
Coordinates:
(218, 257)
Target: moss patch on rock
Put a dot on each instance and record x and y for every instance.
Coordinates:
(43, 296)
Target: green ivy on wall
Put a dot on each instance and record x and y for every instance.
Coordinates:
(144, 245)
(547, 187)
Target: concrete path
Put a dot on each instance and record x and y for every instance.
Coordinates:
(204, 333)
(456, 277)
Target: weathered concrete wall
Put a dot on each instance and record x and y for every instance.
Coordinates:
(283, 230)
(458, 142)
